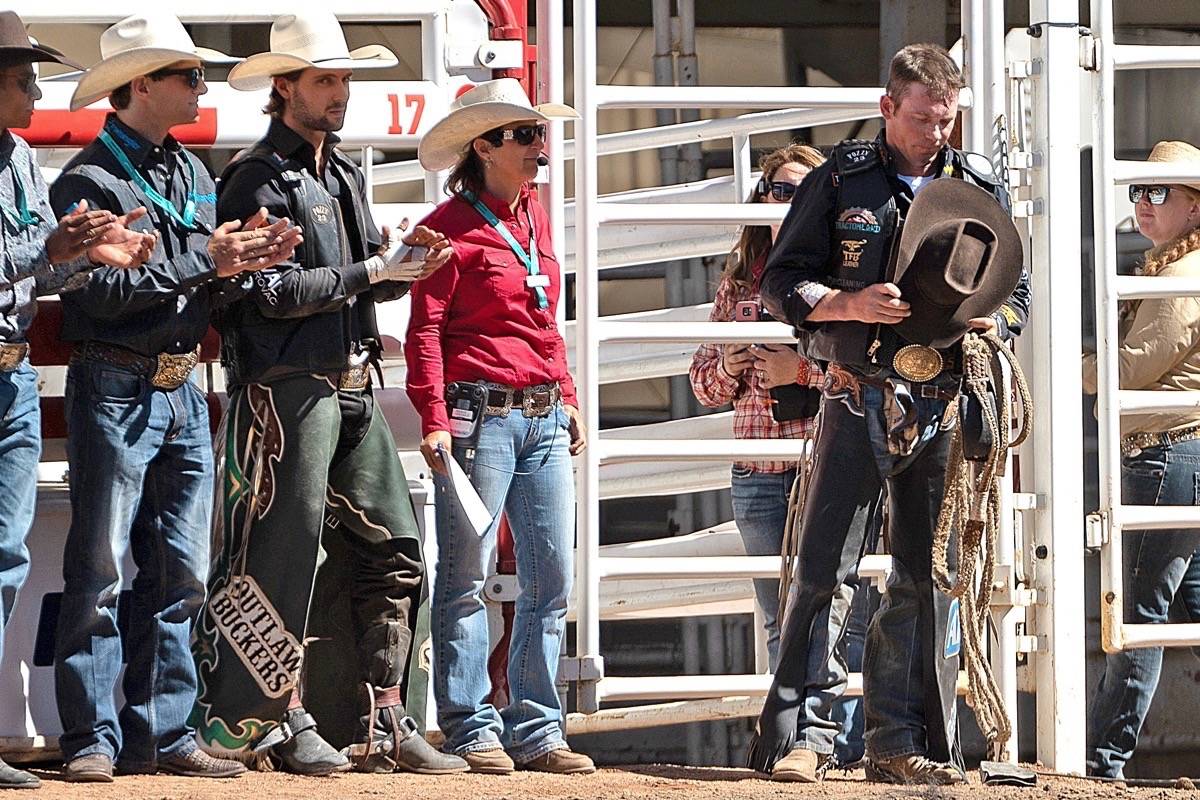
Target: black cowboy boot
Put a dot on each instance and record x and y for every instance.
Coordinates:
(300, 749)
(388, 739)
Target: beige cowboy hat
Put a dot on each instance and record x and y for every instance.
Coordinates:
(137, 46)
(486, 106)
(300, 41)
(1176, 153)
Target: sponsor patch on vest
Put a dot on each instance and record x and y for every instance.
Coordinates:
(255, 632)
(322, 213)
(859, 220)
(857, 155)
(852, 252)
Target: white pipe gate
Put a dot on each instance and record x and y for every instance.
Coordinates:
(1114, 516)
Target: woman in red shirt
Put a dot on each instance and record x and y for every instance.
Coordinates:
(487, 371)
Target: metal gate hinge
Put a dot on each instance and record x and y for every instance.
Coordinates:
(1096, 530)
(1027, 208)
(1089, 51)
(580, 669)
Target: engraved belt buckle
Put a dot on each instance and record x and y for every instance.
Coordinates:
(11, 356)
(536, 401)
(173, 369)
(502, 409)
(917, 362)
(354, 378)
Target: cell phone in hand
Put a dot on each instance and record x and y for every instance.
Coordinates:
(746, 311)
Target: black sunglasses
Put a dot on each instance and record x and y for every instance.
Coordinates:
(780, 190)
(1156, 194)
(193, 75)
(522, 134)
(25, 83)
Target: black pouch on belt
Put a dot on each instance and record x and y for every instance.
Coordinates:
(465, 403)
(976, 435)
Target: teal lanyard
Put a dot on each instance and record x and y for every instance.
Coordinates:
(530, 259)
(22, 218)
(188, 219)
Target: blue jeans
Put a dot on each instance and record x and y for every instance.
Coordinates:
(539, 501)
(760, 505)
(849, 746)
(141, 477)
(1156, 564)
(20, 449)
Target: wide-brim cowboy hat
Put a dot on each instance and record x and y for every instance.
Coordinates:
(301, 41)
(959, 258)
(489, 105)
(136, 46)
(15, 42)
(1176, 153)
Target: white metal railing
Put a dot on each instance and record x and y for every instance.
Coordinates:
(592, 332)
(1113, 402)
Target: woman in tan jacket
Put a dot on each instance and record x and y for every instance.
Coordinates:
(1160, 465)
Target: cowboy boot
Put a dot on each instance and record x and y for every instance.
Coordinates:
(388, 739)
(300, 749)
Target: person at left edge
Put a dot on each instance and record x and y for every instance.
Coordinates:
(298, 351)
(39, 258)
(138, 434)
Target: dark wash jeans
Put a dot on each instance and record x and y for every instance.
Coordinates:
(141, 478)
(1158, 564)
(909, 676)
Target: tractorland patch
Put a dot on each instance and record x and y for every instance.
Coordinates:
(859, 220)
(256, 634)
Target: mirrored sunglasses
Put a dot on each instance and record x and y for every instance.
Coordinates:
(193, 75)
(1156, 194)
(522, 134)
(780, 190)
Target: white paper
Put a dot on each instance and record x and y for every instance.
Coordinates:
(467, 498)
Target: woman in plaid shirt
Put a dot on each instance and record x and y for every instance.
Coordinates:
(744, 374)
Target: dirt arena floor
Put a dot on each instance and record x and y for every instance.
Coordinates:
(633, 783)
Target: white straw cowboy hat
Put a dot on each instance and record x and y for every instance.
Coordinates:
(1177, 153)
(300, 41)
(486, 106)
(136, 46)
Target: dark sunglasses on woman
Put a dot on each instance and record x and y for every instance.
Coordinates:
(780, 190)
(522, 134)
(193, 75)
(1156, 193)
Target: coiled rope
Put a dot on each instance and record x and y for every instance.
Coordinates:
(971, 509)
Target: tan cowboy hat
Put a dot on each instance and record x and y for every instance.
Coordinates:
(486, 106)
(959, 258)
(14, 41)
(1176, 153)
(137, 46)
(300, 41)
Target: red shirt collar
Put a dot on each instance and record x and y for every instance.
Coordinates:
(500, 207)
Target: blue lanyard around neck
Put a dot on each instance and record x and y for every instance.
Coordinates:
(21, 218)
(188, 218)
(530, 259)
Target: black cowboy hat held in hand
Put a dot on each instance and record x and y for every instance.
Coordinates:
(959, 258)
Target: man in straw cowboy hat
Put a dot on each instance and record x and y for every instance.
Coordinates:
(138, 434)
(310, 463)
(40, 257)
(838, 273)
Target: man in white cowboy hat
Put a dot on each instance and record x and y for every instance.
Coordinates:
(38, 258)
(298, 351)
(138, 433)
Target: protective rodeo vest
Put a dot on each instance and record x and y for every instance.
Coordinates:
(865, 232)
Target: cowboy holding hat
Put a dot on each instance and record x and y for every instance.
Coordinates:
(484, 328)
(884, 310)
(298, 351)
(138, 434)
(39, 258)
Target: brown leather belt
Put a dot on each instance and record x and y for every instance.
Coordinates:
(926, 390)
(1135, 443)
(165, 371)
(12, 355)
(534, 401)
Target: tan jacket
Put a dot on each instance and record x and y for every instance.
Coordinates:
(1160, 350)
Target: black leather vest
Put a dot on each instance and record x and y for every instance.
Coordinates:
(865, 234)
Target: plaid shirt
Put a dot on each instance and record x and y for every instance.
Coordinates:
(751, 402)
